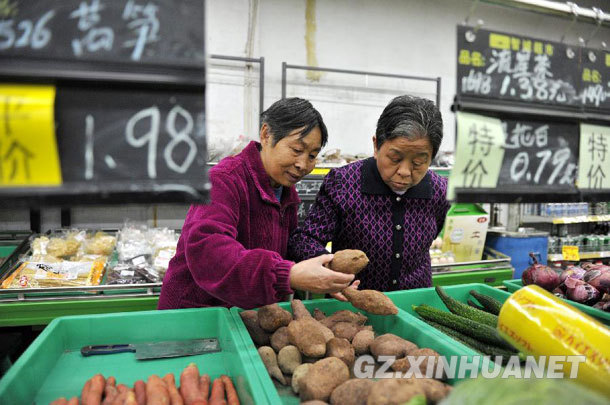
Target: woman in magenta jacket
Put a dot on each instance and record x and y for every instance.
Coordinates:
(231, 251)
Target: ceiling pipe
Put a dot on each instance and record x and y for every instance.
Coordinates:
(567, 10)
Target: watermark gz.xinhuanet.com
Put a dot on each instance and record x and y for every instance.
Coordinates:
(470, 366)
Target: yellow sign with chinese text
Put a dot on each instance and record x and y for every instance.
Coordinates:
(28, 147)
(570, 253)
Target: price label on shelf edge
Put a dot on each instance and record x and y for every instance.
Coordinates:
(570, 253)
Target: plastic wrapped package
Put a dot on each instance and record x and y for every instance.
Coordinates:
(66, 243)
(62, 248)
(61, 274)
(136, 271)
(164, 242)
(162, 257)
(70, 245)
(43, 258)
(539, 324)
(100, 244)
(64, 258)
(39, 245)
(132, 242)
(124, 273)
(143, 253)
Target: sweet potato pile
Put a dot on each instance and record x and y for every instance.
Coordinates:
(194, 390)
(315, 355)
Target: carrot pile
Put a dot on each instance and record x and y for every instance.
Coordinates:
(194, 390)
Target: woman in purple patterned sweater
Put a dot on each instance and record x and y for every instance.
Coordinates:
(231, 251)
(389, 206)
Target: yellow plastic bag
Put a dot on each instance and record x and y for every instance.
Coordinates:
(539, 324)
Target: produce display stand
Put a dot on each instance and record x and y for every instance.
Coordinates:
(404, 325)
(604, 317)
(53, 366)
(39, 306)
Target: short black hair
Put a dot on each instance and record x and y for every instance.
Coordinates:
(411, 117)
(288, 114)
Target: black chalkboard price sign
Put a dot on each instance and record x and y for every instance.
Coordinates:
(125, 145)
(161, 40)
(595, 80)
(539, 153)
(129, 106)
(513, 68)
(122, 135)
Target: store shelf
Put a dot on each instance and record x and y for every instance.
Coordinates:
(583, 256)
(565, 220)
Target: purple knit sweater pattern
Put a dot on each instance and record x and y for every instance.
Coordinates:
(356, 210)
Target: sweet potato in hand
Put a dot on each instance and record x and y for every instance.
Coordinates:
(371, 301)
(349, 261)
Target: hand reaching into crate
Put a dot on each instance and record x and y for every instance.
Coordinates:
(194, 390)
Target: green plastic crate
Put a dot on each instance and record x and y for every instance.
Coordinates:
(43, 312)
(53, 367)
(403, 325)
(604, 317)
(405, 299)
(492, 278)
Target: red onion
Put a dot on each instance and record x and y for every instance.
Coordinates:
(582, 292)
(572, 272)
(540, 275)
(590, 266)
(600, 279)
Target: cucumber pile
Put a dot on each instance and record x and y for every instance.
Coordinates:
(473, 324)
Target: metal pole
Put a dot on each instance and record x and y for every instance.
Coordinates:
(66, 217)
(438, 93)
(512, 223)
(235, 58)
(35, 225)
(557, 8)
(358, 72)
(261, 87)
(284, 66)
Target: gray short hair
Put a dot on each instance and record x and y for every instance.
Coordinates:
(413, 118)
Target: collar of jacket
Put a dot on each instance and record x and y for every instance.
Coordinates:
(372, 183)
(261, 178)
